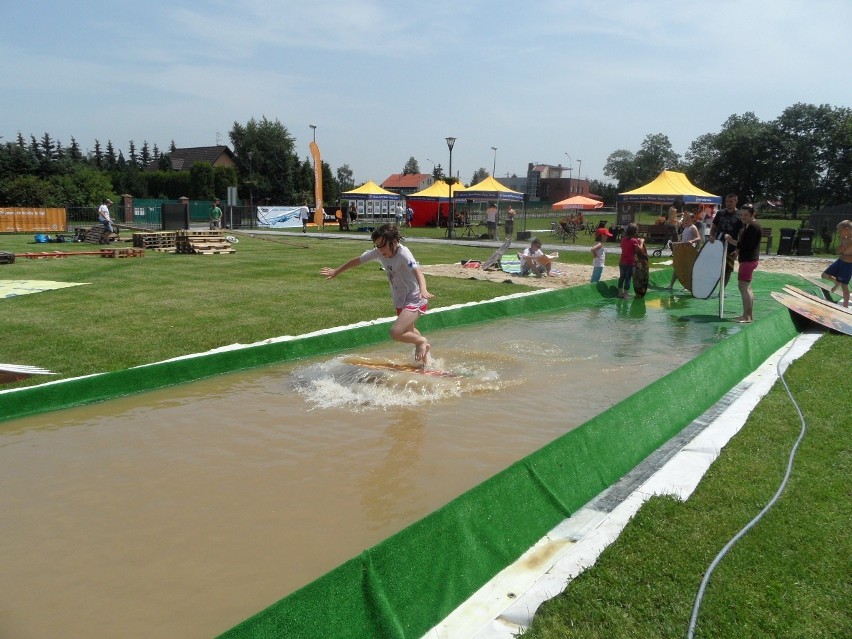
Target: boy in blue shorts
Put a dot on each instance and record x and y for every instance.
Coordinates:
(841, 270)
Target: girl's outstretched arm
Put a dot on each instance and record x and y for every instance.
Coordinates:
(329, 273)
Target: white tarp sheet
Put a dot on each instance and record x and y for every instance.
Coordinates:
(279, 217)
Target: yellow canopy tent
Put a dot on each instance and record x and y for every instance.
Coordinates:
(667, 187)
(372, 199)
(490, 189)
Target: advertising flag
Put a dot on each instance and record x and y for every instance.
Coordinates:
(318, 214)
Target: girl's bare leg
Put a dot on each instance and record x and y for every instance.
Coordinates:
(404, 330)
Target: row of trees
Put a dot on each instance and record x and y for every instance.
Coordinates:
(803, 159)
(43, 172)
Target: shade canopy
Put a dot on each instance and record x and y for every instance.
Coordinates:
(667, 187)
(487, 189)
(369, 191)
(440, 190)
(577, 202)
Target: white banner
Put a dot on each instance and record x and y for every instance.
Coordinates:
(279, 217)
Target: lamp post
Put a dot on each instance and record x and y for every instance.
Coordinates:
(452, 209)
(251, 185)
(494, 167)
(570, 169)
(314, 130)
(579, 176)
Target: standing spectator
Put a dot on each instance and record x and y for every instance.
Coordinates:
(215, 215)
(105, 219)
(727, 222)
(305, 215)
(491, 220)
(599, 253)
(630, 244)
(689, 235)
(399, 214)
(747, 250)
(409, 216)
(509, 224)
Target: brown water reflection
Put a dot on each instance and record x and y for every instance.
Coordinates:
(181, 512)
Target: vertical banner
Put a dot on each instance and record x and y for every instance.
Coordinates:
(318, 212)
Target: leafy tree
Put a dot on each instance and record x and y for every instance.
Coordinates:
(607, 190)
(655, 155)
(621, 166)
(345, 178)
(480, 174)
(202, 185)
(267, 161)
(411, 167)
(438, 172)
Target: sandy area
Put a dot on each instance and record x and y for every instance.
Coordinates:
(574, 274)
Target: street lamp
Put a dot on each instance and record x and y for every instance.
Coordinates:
(570, 169)
(251, 185)
(579, 176)
(314, 129)
(494, 168)
(450, 143)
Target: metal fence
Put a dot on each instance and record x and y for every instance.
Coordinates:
(147, 215)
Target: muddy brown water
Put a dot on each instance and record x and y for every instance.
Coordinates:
(181, 512)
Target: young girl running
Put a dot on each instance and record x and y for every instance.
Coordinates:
(408, 286)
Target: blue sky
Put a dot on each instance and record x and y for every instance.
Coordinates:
(384, 81)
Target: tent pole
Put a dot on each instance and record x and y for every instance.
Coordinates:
(722, 281)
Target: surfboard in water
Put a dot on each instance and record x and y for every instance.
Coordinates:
(707, 269)
(387, 365)
(822, 314)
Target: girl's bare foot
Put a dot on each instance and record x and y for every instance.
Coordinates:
(421, 353)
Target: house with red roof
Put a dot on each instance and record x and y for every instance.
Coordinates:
(408, 183)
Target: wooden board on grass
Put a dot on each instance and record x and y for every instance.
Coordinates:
(816, 312)
(794, 290)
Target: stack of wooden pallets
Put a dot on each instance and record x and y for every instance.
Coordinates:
(124, 251)
(162, 241)
(203, 242)
(94, 234)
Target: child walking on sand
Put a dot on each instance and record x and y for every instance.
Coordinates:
(630, 244)
(599, 253)
(841, 270)
(408, 286)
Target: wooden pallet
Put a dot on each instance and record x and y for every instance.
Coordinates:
(94, 234)
(155, 240)
(126, 251)
(203, 242)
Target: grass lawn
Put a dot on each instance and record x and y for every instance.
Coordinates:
(139, 310)
(788, 577)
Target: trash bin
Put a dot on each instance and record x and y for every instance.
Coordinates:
(805, 242)
(785, 246)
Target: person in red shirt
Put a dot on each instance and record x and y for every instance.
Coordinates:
(630, 243)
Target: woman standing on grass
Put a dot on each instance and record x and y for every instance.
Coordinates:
(408, 286)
